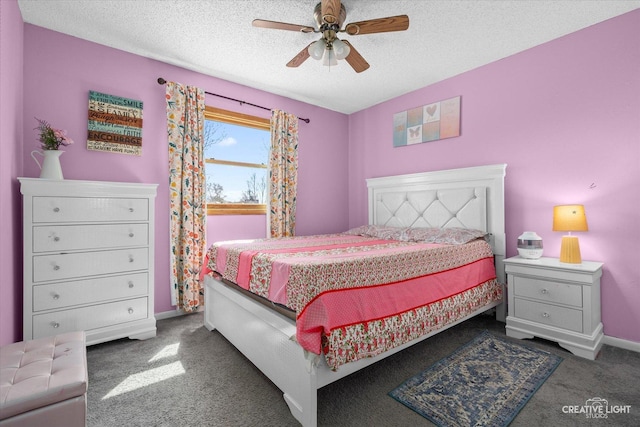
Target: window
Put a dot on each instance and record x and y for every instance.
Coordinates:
(236, 149)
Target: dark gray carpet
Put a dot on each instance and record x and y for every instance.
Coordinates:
(188, 376)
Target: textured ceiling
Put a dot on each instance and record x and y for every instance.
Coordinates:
(215, 37)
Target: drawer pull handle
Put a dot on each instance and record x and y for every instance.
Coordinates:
(56, 209)
(130, 234)
(56, 325)
(544, 291)
(130, 284)
(56, 239)
(130, 310)
(130, 209)
(56, 267)
(130, 258)
(56, 297)
(545, 315)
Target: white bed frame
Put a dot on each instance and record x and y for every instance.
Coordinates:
(470, 197)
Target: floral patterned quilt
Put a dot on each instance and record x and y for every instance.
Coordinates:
(357, 296)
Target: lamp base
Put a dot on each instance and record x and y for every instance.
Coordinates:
(570, 250)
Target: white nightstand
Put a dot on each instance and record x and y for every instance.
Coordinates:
(556, 301)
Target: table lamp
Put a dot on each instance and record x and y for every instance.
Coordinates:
(569, 218)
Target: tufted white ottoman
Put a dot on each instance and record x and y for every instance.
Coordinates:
(43, 382)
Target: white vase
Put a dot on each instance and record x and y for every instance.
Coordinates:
(50, 168)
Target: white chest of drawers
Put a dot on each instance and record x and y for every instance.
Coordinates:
(88, 259)
(556, 301)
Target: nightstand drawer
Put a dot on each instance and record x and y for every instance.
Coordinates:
(560, 317)
(548, 291)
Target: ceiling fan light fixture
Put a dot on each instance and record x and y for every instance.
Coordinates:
(316, 49)
(330, 16)
(341, 49)
(329, 58)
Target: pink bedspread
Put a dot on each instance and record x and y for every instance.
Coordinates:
(358, 296)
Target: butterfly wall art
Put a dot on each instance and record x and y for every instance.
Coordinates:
(431, 122)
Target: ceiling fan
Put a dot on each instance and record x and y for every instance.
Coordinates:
(330, 15)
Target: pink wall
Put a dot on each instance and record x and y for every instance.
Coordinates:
(59, 71)
(11, 48)
(234, 227)
(565, 117)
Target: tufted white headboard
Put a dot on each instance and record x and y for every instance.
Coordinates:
(452, 207)
(469, 198)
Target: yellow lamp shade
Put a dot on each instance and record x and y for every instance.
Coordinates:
(569, 218)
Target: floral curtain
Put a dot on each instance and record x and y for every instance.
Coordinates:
(188, 208)
(283, 174)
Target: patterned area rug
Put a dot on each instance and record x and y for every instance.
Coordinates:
(486, 382)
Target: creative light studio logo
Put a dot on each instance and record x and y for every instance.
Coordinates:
(596, 407)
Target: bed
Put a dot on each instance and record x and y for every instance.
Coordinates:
(469, 198)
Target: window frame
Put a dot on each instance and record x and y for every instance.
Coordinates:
(239, 119)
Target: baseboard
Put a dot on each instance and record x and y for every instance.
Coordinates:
(169, 314)
(172, 313)
(625, 344)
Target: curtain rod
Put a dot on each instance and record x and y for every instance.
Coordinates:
(162, 81)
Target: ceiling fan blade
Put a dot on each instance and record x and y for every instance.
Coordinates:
(300, 57)
(380, 25)
(330, 11)
(356, 60)
(261, 23)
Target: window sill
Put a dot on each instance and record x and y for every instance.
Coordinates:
(236, 209)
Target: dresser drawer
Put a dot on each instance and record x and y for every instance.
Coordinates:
(49, 238)
(67, 266)
(547, 291)
(560, 317)
(89, 209)
(89, 317)
(68, 294)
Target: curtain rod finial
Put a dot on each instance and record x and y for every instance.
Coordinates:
(161, 81)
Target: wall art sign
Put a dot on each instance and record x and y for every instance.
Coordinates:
(438, 120)
(115, 124)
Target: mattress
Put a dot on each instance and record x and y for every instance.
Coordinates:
(356, 295)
